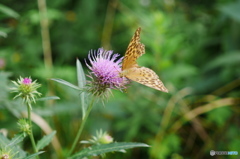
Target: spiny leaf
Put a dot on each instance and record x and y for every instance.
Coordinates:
(16, 139)
(101, 149)
(5, 142)
(33, 155)
(45, 140)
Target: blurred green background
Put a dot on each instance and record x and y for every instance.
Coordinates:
(194, 46)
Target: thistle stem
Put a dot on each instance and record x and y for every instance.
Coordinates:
(31, 134)
(82, 126)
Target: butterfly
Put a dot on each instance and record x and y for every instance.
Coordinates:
(132, 71)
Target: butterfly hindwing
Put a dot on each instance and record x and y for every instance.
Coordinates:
(146, 77)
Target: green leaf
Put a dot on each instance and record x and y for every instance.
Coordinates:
(169, 145)
(33, 155)
(101, 149)
(229, 58)
(81, 83)
(65, 83)
(182, 70)
(219, 116)
(3, 34)
(231, 9)
(8, 11)
(80, 75)
(45, 140)
(48, 98)
(16, 139)
(5, 142)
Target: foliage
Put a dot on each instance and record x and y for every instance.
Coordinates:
(192, 45)
(104, 148)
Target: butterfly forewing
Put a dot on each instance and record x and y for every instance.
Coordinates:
(134, 50)
(131, 70)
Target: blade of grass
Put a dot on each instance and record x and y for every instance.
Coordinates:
(203, 109)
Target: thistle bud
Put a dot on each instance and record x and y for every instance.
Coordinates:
(7, 153)
(100, 138)
(26, 89)
(24, 126)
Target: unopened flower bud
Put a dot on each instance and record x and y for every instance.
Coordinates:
(26, 89)
(24, 126)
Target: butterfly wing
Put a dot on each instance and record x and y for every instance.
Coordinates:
(134, 50)
(146, 77)
(131, 70)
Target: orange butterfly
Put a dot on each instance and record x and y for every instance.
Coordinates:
(132, 71)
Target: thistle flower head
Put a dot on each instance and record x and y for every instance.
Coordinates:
(26, 89)
(6, 153)
(5, 156)
(27, 81)
(105, 69)
(105, 138)
(24, 126)
(100, 138)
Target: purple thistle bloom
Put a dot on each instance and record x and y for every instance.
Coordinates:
(27, 81)
(105, 69)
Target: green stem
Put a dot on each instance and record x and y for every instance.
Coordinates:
(31, 134)
(82, 126)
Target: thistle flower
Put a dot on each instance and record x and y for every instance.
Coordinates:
(26, 89)
(105, 69)
(100, 138)
(7, 153)
(105, 139)
(24, 126)
(4, 156)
